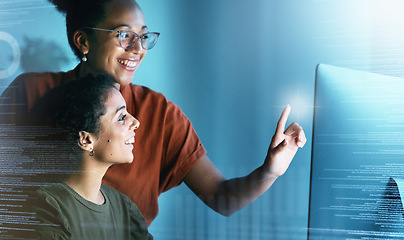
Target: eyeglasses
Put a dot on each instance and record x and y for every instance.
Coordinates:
(128, 39)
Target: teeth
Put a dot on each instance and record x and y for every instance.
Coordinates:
(127, 63)
(130, 140)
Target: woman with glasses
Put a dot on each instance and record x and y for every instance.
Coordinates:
(87, 122)
(112, 36)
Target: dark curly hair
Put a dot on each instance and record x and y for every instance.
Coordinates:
(60, 115)
(82, 13)
(76, 105)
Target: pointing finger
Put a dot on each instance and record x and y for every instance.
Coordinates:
(280, 129)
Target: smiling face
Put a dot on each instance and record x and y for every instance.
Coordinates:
(114, 143)
(104, 51)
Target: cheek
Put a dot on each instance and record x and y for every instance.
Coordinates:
(108, 54)
(107, 149)
(105, 62)
(114, 140)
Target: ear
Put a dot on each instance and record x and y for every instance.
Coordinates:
(86, 141)
(81, 41)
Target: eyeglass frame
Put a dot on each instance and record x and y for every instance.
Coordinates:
(119, 36)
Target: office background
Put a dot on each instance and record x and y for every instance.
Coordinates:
(232, 66)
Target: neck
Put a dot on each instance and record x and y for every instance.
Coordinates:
(85, 69)
(87, 181)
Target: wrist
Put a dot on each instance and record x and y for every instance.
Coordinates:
(266, 173)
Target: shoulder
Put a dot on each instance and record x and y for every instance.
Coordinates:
(40, 81)
(35, 78)
(27, 83)
(154, 97)
(142, 93)
(51, 194)
(22, 93)
(145, 102)
(109, 190)
(52, 223)
(27, 87)
(113, 194)
(117, 198)
(138, 225)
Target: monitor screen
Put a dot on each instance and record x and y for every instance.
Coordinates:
(357, 166)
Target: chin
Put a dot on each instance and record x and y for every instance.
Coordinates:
(129, 159)
(124, 80)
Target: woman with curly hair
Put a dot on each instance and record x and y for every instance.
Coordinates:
(87, 120)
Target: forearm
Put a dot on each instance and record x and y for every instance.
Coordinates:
(228, 196)
(236, 193)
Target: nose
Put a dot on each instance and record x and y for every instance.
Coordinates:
(137, 48)
(135, 124)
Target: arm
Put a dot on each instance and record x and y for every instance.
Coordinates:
(226, 196)
(50, 222)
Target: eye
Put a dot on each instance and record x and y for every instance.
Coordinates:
(122, 117)
(124, 34)
(144, 36)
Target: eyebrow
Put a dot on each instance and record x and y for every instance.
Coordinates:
(124, 25)
(119, 109)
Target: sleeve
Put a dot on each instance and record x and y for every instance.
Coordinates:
(50, 222)
(138, 229)
(23, 92)
(183, 146)
(13, 101)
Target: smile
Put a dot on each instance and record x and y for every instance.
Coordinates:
(128, 63)
(130, 140)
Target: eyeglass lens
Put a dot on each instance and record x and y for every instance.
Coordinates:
(128, 39)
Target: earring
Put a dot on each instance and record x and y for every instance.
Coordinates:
(91, 153)
(84, 58)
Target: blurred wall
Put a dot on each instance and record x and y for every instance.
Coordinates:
(232, 66)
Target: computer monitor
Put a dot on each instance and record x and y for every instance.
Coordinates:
(357, 163)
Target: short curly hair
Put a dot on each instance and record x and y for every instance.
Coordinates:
(60, 115)
(76, 105)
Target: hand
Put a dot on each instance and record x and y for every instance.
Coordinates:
(283, 146)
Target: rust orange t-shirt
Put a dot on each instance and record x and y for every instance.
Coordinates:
(166, 147)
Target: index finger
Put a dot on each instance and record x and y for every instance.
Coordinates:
(280, 129)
